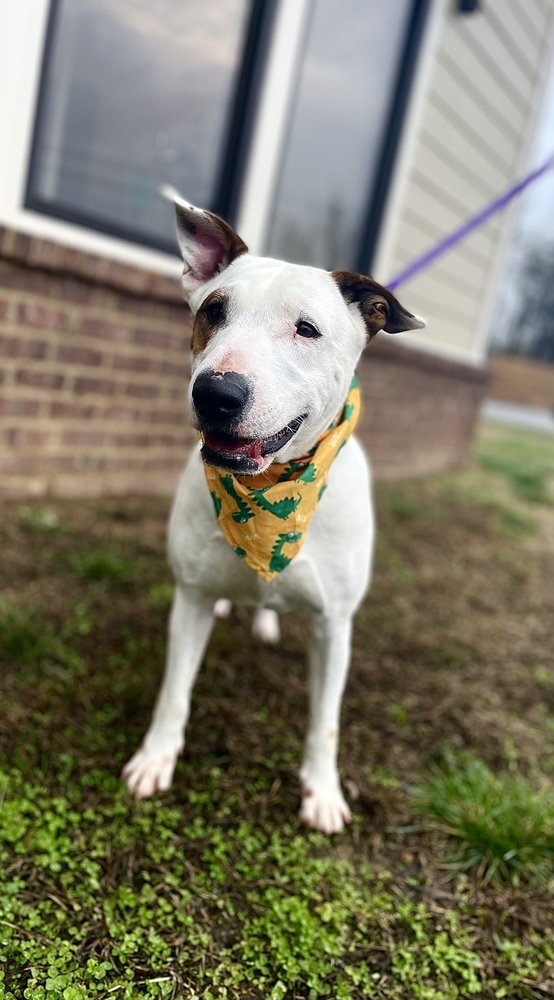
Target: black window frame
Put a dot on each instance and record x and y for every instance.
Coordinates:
(395, 122)
(239, 128)
(236, 137)
(378, 186)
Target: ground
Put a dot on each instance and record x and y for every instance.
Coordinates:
(442, 886)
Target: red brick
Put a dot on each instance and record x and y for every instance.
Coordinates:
(82, 292)
(19, 407)
(167, 440)
(102, 386)
(12, 463)
(63, 463)
(135, 363)
(167, 416)
(142, 390)
(161, 286)
(154, 338)
(7, 241)
(105, 329)
(180, 315)
(28, 280)
(120, 464)
(20, 347)
(139, 306)
(116, 412)
(177, 370)
(133, 440)
(83, 437)
(44, 254)
(68, 411)
(164, 464)
(75, 291)
(78, 355)
(45, 317)
(39, 379)
(127, 277)
(21, 246)
(25, 437)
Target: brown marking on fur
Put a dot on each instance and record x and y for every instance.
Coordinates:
(209, 318)
(379, 308)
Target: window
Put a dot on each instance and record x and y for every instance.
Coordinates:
(344, 101)
(135, 93)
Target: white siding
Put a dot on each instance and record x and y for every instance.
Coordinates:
(471, 138)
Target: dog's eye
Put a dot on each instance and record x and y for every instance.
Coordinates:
(214, 312)
(306, 329)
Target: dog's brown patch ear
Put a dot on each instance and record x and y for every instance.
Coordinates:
(207, 243)
(379, 308)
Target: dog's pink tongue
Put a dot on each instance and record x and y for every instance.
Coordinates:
(224, 444)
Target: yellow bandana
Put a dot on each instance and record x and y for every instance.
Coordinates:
(262, 516)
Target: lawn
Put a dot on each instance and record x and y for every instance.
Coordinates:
(442, 886)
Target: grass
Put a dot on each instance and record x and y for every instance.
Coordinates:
(505, 827)
(102, 564)
(30, 640)
(442, 887)
(213, 908)
(525, 459)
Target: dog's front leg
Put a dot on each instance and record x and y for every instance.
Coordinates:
(151, 768)
(323, 804)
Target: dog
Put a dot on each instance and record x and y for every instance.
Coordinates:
(274, 350)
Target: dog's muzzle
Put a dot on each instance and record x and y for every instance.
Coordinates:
(221, 399)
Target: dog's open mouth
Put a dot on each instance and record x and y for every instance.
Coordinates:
(245, 455)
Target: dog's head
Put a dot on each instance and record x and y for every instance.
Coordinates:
(274, 345)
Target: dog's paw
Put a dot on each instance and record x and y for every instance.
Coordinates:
(222, 608)
(145, 773)
(266, 626)
(324, 808)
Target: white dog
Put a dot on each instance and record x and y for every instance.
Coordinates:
(275, 346)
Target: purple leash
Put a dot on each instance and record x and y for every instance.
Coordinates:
(427, 258)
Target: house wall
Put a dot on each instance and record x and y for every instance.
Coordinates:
(469, 144)
(94, 372)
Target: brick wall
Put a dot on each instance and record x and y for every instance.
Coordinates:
(94, 370)
(419, 411)
(93, 373)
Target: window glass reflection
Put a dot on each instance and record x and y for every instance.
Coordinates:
(136, 94)
(343, 101)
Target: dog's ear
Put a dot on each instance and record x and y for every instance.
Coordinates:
(207, 244)
(379, 309)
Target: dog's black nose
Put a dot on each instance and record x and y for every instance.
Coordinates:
(220, 398)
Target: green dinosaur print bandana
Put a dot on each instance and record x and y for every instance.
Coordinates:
(265, 517)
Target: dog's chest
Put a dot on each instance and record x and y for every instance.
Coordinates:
(331, 567)
(215, 570)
